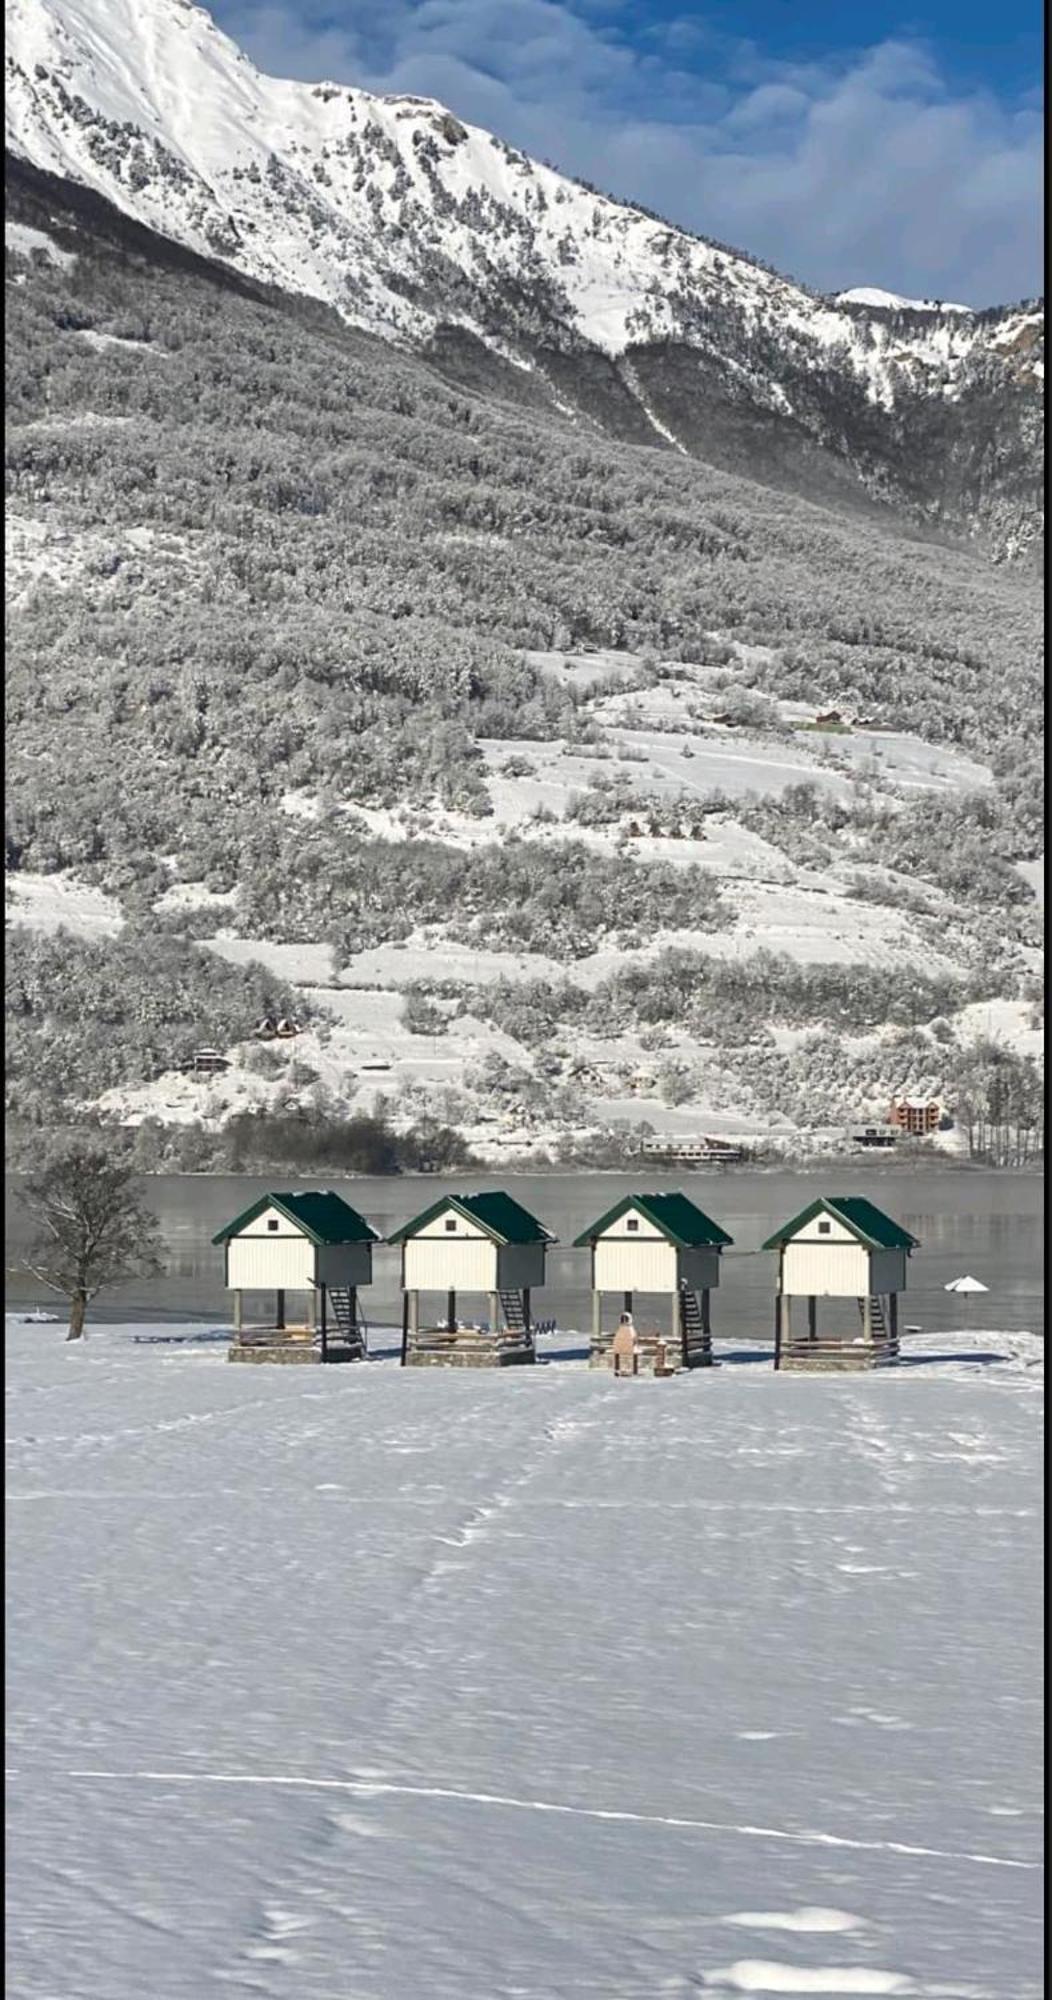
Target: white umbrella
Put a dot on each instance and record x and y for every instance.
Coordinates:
(965, 1285)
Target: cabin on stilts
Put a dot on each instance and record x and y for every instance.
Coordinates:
(653, 1246)
(311, 1245)
(844, 1250)
(478, 1246)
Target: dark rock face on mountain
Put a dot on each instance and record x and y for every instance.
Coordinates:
(527, 286)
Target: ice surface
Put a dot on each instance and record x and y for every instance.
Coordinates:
(350, 1685)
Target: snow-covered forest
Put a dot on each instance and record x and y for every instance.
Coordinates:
(299, 653)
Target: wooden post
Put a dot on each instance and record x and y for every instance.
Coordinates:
(237, 1312)
(812, 1319)
(526, 1315)
(777, 1331)
(893, 1320)
(679, 1330)
(353, 1301)
(597, 1317)
(867, 1320)
(706, 1320)
(279, 1312)
(323, 1304)
(451, 1312)
(405, 1327)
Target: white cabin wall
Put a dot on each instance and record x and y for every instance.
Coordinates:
(825, 1228)
(633, 1264)
(282, 1262)
(826, 1269)
(636, 1226)
(458, 1262)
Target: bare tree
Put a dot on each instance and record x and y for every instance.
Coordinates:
(94, 1230)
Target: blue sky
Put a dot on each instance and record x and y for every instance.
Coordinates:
(845, 144)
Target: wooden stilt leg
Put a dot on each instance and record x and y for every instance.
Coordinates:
(237, 1311)
(812, 1319)
(279, 1312)
(451, 1312)
(405, 1326)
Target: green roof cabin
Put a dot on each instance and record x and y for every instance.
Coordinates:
(480, 1245)
(312, 1244)
(845, 1250)
(653, 1246)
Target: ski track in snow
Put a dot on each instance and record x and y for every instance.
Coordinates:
(527, 1685)
(375, 1788)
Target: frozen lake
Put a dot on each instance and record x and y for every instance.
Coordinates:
(988, 1224)
(348, 1685)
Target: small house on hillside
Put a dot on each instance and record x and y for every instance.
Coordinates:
(841, 1248)
(477, 1245)
(311, 1244)
(206, 1062)
(655, 1245)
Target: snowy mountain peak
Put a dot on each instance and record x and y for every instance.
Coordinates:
(413, 225)
(366, 201)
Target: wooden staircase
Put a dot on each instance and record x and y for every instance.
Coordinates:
(697, 1340)
(880, 1332)
(348, 1336)
(516, 1318)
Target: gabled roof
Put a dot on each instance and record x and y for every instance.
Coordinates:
(324, 1217)
(865, 1220)
(498, 1214)
(679, 1219)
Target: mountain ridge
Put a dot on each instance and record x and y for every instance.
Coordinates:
(439, 237)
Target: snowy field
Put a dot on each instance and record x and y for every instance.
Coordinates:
(351, 1685)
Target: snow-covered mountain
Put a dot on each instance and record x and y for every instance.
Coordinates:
(435, 234)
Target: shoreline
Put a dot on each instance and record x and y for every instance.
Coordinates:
(811, 1164)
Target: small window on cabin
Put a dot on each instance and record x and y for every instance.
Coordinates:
(451, 1222)
(632, 1223)
(271, 1224)
(824, 1228)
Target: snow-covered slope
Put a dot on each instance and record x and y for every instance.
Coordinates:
(871, 295)
(404, 219)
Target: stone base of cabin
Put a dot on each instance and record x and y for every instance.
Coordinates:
(837, 1357)
(294, 1349)
(467, 1349)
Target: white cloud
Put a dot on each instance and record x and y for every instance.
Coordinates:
(866, 169)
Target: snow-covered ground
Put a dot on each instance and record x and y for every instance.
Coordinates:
(353, 1683)
(63, 557)
(61, 902)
